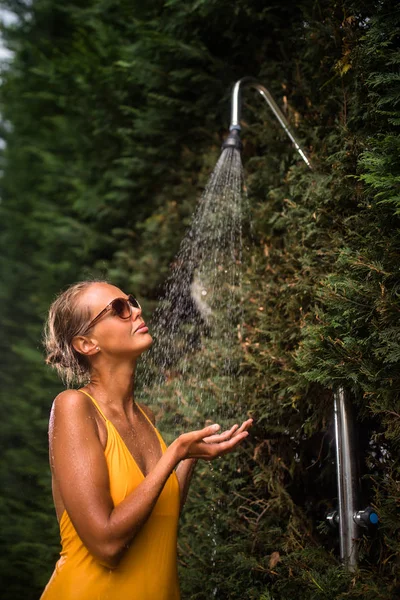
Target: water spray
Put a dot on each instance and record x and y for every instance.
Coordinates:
(233, 139)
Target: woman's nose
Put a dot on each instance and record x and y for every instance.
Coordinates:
(136, 312)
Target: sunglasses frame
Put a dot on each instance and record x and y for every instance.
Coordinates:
(130, 300)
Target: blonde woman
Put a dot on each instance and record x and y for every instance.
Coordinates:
(118, 490)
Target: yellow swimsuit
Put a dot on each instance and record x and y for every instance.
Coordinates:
(148, 570)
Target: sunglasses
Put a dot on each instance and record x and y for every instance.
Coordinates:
(122, 308)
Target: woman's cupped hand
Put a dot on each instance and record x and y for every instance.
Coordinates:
(208, 443)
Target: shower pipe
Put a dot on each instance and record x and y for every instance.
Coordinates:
(233, 139)
(346, 517)
(347, 479)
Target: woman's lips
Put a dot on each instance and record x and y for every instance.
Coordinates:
(143, 328)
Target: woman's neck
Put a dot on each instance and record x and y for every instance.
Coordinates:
(114, 386)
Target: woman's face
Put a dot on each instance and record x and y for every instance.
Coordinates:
(113, 335)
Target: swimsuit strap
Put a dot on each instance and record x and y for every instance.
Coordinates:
(95, 403)
(143, 413)
(103, 415)
(162, 443)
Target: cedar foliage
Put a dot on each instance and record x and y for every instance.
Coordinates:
(113, 113)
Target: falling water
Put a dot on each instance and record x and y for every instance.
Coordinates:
(196, 328)
(193, 370)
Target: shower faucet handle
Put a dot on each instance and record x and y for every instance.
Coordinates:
(366, 517)
(333, 519)
(363, 518)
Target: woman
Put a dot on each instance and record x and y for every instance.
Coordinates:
(117, 488)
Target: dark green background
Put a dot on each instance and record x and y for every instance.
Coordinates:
(113, 114)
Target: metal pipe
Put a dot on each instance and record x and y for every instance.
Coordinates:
(236, 109)
(347, 478)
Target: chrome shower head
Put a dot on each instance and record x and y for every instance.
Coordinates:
(233, 140)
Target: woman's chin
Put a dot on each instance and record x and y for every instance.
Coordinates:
(146, 342)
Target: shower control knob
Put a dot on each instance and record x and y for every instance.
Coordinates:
(333, 519)
(366, 517)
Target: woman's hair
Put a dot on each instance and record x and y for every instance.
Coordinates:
(66, 319)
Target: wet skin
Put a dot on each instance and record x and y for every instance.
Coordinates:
(78, 436)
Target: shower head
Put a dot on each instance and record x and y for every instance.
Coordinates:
(233, 140)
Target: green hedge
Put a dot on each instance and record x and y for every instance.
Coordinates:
(113, 114)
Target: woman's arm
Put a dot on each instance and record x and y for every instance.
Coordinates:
(185, 468)
(80, 468)
(184, 472)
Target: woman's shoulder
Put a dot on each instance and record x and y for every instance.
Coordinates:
(71, 405)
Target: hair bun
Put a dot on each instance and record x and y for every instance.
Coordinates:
(55, 357)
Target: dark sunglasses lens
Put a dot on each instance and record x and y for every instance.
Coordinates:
(121, 308)
(134, 302)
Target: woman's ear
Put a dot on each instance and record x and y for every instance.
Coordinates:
(85, 346)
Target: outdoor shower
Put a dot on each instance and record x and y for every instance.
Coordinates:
(347, 518)
(233, 139)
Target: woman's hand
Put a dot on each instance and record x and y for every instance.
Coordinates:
(207, 444)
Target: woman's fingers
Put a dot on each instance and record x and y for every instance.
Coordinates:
(206, 432)
(227, 441)
(227, 446)
(215, 450)
(207, 444)
(221, 437)
(245, 426)
(232, 432)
